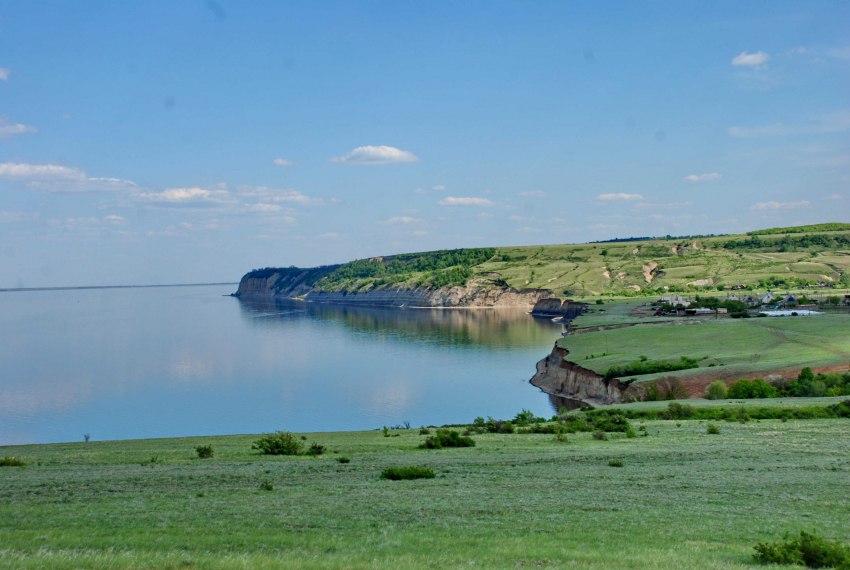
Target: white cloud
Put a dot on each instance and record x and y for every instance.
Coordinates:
(452, 201)
(284, 162)
(276, 195)
(263, 208)
(701, 177)
(751, 59)
(401, 220)
(420, 191)
(23, 171)
(115, 220)
(835, 197)
(529, 229)
(420, 233)
(185, 196)
(4, 73)
(781, 205)
(8, 128)
(369, 155)
(329, 235)
(56, 178)
(438, 187)
(536, 193)
(663, 206)
(484, 215)
(170, 231)
(824, 123)
(801, 49)
(517, 218)
(619, 196)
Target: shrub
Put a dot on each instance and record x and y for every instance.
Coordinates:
(424, 431)
(12, 462)
(204, 451)
(315, 449)
(447, 438)
(615, 463)
(410, 472)
(278, 443)
(667, 388)
(717, 390)
(343, 459)
(266, 486)
(677, 411)
(600, 435)
(807, 550)
(712, 429)
(748, 389)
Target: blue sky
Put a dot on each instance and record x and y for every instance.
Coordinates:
(174, 142)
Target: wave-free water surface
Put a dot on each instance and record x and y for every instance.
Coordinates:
(168, 362)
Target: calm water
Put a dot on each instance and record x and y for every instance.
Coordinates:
(137, 363)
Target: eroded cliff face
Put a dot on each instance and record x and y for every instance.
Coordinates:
(553, 307)
(560, 377)
(476, 293)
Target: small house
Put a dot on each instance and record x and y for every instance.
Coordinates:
(732, 297)
(767, 298)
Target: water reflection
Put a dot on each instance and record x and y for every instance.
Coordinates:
(490, 328)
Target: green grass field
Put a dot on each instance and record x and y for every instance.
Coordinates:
(733, 346)
(683, 499)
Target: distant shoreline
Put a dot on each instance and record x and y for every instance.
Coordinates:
(111, 287)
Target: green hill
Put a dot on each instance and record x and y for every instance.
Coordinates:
(780, 257)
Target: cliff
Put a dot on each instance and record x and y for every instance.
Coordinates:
(478, 292)
(562, 378)
(552, 307)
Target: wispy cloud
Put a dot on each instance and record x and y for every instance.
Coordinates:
(284, 162)
(179, 196)
(372, 155)
(18, 216)
(438, 187)
(452, 201)
(663, 205)
(329, 235)
(420, 233)
(535, 193)
(57, 178)
(702, 177)
(483, 215)
(267, 194)
(802, 204)
(9, 128)
(619, 196)
(5, 73)
(825, 123)
(835, 197)
(751, 59)
(517, 218)
(401, 220)
(839, 52)
(264, 208)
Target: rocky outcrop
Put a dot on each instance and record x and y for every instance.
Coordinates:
(559, 377)
(479, 292)
(552, 307)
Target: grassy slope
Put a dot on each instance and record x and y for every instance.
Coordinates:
(742, 346)
(684, 499)
(582, 270)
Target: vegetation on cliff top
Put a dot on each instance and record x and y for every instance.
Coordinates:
(640, 267)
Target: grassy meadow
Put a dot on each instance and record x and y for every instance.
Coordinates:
(732, 346)
(682, 499)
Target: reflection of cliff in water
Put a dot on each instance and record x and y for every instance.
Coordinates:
(559, 403)
(498, 328)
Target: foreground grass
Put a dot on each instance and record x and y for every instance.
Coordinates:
(683, 499)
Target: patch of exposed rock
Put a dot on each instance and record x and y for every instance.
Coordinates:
(560, 377)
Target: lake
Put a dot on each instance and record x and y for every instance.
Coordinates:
(180, 361)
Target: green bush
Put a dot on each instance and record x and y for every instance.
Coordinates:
(600, 435)
(639, 367)
(447, 438)
(266, 486)
(666, 388)
(204, 451)
(343, 459)
(615, 463)
(410, 472)
(717, 390)
(424, 431)
(748, 389)
(807, 550)
(315, 449)
(12, 462)
(712, 429)
(278, 443)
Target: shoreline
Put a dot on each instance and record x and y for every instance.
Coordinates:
(27, 289)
